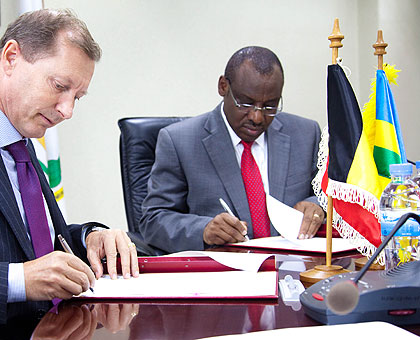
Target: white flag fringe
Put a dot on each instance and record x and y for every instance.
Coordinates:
(345, 230)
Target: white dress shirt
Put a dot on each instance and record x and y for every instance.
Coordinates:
(258, 150)
(16, 279)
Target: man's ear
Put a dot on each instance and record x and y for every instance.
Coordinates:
(223, 86)
(9, 55)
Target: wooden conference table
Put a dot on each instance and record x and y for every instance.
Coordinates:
(182, 319)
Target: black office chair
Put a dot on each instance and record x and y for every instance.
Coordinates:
(137, 155)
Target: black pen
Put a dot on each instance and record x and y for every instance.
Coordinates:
(67, 249)
(227, 209)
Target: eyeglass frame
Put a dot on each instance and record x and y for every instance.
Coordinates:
(248, 107)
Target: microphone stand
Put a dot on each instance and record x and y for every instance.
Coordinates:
(400, 222)
(343, 297)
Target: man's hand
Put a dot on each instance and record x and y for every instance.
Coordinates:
(224, 229)
(56, 275)
(313, 215)
(71, 322)
(108, 243)
(116, 317)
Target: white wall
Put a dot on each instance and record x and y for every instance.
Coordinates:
(164, 57)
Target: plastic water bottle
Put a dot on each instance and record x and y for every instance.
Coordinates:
(402, 195)
(416, 177)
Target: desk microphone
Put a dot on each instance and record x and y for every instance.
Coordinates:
(344, 296)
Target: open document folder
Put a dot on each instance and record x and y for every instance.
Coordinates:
(195, 276)
(312, 245)
(287, 222)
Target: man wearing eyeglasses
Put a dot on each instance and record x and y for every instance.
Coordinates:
(241, 151)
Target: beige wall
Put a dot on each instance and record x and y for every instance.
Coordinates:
(164, 57)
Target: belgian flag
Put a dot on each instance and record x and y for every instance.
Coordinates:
(355, 168)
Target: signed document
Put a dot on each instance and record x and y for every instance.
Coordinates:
(285, 220)
(186, 275)
(210, 285)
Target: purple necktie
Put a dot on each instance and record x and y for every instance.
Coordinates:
(33, 204)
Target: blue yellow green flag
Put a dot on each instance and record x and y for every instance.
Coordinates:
(389, 147)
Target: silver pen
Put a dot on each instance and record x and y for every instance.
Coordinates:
(67, 249)
(65, 244)
(227, 209)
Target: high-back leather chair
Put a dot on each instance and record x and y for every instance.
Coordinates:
(137, 155)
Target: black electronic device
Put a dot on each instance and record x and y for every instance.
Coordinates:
(391, 296)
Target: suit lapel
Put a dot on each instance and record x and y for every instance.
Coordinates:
(10, 210)
(222, 154)
(278, 159)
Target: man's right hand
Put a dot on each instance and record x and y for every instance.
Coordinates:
(70, 322)
(224, 229)
(56, 275)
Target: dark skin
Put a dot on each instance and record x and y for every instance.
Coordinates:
(251, 87)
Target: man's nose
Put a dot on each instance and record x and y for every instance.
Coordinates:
(65, 107)
(256, 115)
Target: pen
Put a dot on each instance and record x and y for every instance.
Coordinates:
(67, 249)
(65, 244)
(227, 209)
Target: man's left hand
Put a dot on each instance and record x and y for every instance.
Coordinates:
(108, 243)
(116, 317)
(313, 215)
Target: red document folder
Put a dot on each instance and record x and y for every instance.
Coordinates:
(179, 264)
(190, 278)
(313, 245)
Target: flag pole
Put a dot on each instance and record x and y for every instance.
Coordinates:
(321, 272)
(379, 47)
(335, 44)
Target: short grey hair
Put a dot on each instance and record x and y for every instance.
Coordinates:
(36, 33)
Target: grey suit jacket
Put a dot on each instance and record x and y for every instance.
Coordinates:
(196, 165)
(15, 246)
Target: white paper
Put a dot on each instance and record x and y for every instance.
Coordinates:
(227, 284)
(241, 261)
(286, 220)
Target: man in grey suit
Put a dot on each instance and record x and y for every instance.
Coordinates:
(47, 61)
(198, 161)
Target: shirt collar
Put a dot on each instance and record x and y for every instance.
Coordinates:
(9, 134)
(234, 137)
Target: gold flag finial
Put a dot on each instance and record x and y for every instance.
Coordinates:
(335, 39)
(379, 47)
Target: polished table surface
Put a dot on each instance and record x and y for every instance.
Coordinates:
(182, 319)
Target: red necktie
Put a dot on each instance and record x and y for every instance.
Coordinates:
(33, 204)
(255, 192)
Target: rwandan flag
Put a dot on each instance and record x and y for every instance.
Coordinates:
(354, 158)
(389, 147)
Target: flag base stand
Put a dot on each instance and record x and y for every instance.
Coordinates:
(359, 264)
(320, 272)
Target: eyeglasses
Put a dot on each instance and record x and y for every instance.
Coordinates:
(269, 111)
